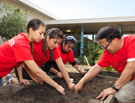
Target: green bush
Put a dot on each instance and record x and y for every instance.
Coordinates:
(91, 51)
(13, 21)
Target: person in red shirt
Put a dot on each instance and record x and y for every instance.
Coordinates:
(67, 55)
(119, 51)
(17, 51)
(46, 50)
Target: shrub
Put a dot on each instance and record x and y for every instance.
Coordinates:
(13, 21)
(91, 51)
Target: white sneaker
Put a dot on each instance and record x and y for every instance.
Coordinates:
(8, 78)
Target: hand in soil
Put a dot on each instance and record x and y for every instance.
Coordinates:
(60, 89)
(71, 85)
(38, 80)
(25, 82)
(83, 72)
(78, 87)
(105, 93)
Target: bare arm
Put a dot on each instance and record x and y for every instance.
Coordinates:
(59, 74)
(20, 75)
(54, 70)
(124, 79)
(126, 75)
(62, 68)
(78, 69)
(38, 72)
(19, 70)
(89, 75)
(30, 72)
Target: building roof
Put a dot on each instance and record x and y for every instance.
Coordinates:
(92, 25)
(37, 8)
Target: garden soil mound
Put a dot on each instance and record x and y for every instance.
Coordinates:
(48, 94)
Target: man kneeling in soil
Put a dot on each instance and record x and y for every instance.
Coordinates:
(119, 51)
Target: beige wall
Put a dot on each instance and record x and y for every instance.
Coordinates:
(33, 13)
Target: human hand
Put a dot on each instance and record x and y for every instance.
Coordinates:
(25, 82)
(60, 89)
(105, 93)
(70, 85)
(38, 80)
(59, 74)
(83, 72)
(78, 87)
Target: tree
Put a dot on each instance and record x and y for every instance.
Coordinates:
(13, 21)
(91, 51)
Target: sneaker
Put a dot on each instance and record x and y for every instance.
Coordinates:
(8, 78)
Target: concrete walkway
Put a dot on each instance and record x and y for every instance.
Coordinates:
(70, 68)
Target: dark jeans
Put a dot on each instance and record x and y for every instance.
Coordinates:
(1, 82)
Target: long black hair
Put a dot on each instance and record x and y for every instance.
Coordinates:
(34, 24)
(54, 33)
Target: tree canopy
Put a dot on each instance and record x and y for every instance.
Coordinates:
(12, 21)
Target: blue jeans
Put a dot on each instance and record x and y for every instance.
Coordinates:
(1, 82)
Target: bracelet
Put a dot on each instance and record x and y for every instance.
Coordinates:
(115, 88)
(68, 81)
(78, 69)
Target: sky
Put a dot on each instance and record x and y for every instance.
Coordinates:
(81, 9)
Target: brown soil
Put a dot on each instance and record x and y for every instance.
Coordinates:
(46, 93)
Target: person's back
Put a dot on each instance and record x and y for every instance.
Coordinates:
(12, 52)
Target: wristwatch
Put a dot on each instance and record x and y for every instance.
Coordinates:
(115, 88)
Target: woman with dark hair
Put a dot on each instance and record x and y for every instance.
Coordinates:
(67, 55)
(17, 51)
(46, 50)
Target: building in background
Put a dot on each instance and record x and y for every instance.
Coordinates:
(35, 11)
(75, 27)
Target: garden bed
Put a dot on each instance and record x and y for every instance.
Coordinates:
(105, 73)
(46, 93)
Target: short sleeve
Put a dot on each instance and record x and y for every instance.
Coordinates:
(22, 52)
(131, 49)
(71, 57)
(56, 54)
(103, 61)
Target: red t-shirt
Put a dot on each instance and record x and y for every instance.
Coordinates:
(13, 52)
(120, 58)
(67, 57)
(40, 57)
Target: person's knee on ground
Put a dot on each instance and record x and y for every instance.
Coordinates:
(13, 81)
